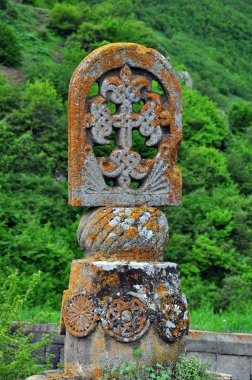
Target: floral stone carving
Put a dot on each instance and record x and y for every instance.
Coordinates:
(126, 101)
(79, 315)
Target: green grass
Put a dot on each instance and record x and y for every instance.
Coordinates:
(232, 321)
(39, 314)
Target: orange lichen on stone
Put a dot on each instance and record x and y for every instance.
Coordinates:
(86, 184)
(161, 290)
(138, 233)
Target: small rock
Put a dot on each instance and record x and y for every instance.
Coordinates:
(186, 77)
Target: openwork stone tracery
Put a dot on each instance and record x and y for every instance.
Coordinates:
(125, 90)
(123, 292)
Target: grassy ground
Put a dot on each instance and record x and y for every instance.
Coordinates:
(202, 319)
(227, 321)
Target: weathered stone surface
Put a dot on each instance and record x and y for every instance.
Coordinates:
(125, 298)
(232, 342)
(186, 78)
(202, 341)
(124, 73)
(220, 343)
(124, 233)
(238, 366)
(89, 356)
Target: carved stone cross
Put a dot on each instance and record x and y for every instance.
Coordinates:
(122, 292)
(124, 74)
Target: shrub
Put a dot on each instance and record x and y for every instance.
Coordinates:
(10, 53)
(240, 117)
(66, 18)
(187, 369)
(3, 4)
(16, 349)
(9, 96)
(92, 35)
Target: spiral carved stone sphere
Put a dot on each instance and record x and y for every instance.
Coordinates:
(138, 233)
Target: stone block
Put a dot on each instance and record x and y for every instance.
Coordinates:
(202, 341)
(235, 344)
(237, 366)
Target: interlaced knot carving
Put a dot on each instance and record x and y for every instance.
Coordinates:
(124, 90)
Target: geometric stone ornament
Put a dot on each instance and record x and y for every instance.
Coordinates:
(137, 93)
(123, 233)
(126, 318)
(79, 315)
(125, 309)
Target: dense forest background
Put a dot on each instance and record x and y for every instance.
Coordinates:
(41, 43)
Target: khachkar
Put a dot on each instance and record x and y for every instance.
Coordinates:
(122, 296)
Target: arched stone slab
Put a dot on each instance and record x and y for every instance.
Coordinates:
(125, 73)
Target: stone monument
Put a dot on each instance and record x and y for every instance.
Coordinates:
(122, 295)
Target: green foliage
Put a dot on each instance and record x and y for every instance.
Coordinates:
(137, 352)
(9, 96)
(240, 117)
(17, 360)
(212, 39)
(3, 4)
(92, 35)
(203, 122)
(60, 74)
(239, 155)
(66, 18)
(10, 52)
(187, 369)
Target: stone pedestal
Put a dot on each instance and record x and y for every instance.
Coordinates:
(114, 305)
(111, 308)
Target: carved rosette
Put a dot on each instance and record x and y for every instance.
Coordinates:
(79, 315)
(126, 318)
(172, 320)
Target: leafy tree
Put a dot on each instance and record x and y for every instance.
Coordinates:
(91, 35)
(203, 122)
(239, 155)
(65, 18)
(41, 116)
(10, 52)
(9, 96)
(240, 117)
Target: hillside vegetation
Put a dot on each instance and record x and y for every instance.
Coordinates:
(41, 43)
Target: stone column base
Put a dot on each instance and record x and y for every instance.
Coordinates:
(112, 308)
(89, 357)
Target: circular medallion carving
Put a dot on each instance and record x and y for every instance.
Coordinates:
(172, 317)
(79, 315)
(126, 318)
